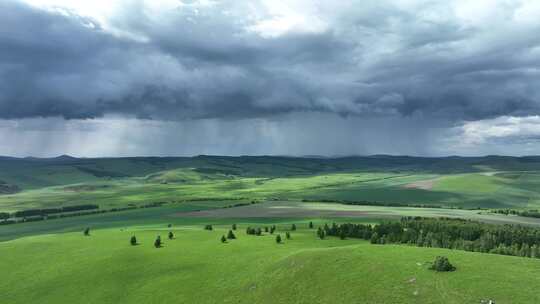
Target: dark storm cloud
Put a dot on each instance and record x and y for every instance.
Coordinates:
(213, 62)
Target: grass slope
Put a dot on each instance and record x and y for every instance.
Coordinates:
(196, 268)
(489, 182)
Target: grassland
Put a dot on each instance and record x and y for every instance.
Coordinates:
(50, 261)
(120, 182)
(196, 268)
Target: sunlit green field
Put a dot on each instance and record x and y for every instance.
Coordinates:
(196, 267)
(469, 190)
(50, 261)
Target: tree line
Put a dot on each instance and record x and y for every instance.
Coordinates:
(69, 211)
(446, 233)
(526, 213)
(379, 203)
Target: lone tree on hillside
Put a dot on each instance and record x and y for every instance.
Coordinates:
(157, 242)
(87, 231)
(310, 225)
(171, 235)
(133, 241)
(223, 239)
(442, 264)
(231, 235)
(278, 239)
(293, 227)
(288, 235)
(233, 226)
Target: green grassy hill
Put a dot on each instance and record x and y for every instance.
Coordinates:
(196, 268)
(488, 182)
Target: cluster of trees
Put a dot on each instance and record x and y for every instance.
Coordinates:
(259, 231)
(527, 213)
(447, 233)
(442, 264)
(46, 211)
(208, 227)
(230, 236)
(253, 231)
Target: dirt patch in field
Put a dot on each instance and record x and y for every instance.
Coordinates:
(423, 184)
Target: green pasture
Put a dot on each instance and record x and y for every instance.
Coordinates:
(196, 267)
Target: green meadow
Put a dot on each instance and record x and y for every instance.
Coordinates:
(195, 267)
(110, 183)
(51, 261)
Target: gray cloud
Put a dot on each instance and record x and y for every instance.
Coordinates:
(320, 72)
(382, 59)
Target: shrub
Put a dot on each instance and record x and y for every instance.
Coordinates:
(233, 226)
(278, 239)
(310, 225)
(231, 235)
(157, 242)
(442, 264)
(288, 235)
(171, 235)
(133, 241)
(223, 239)
(208, 227)
(87, 231)
(293, 227)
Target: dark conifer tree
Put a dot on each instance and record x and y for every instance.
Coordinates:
(293, 227)
(87, 231)
(171, 235)
(265, 229)
(374, 238)
(223, 239)
(278, 239)
(157, 242)
(133, 241)
(233, 226)
(288, 235)
(231, 235)
(310, 225)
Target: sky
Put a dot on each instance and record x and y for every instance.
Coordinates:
(266, 77)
